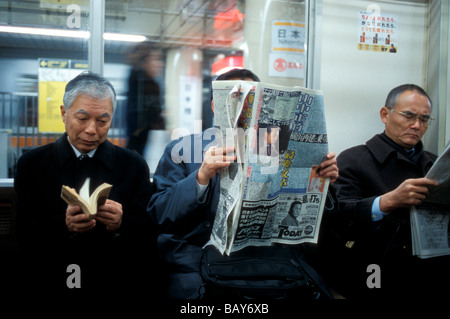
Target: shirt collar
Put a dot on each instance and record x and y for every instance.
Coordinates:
(413, 153)
(78, 153)
(64, 152)
(381, 146)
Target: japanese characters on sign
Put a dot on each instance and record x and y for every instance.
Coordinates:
(377, 32)
(287, 56)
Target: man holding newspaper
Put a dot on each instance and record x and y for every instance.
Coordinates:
(189, 195)
(379, 183)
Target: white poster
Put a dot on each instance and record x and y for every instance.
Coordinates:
(189, 101)
(377, 32)
(287, 65)
(287, 57)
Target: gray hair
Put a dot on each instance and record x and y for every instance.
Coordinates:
(90, 84)
(392, 98)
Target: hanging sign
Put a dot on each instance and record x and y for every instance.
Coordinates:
(53, 77)
(287, 56)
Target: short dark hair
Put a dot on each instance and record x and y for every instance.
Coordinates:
(393, 95)
(238, 74)
(234, 74)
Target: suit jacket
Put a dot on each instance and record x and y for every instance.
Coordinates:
(41, 227)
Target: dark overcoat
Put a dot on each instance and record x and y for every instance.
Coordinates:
(42, 232)
(355, 241)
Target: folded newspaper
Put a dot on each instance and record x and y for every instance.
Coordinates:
(273, 192)
(430, 219)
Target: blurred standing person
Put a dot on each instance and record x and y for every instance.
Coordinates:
(144, 108)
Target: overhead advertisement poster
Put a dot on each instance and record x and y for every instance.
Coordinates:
(53, 76)
(287, 55)
(377, 32)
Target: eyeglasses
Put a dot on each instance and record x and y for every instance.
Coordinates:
(412, 117)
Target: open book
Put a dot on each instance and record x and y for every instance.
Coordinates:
(87, 203)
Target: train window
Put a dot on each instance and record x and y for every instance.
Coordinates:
(160, 55)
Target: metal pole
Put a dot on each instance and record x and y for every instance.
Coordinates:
(96, 42)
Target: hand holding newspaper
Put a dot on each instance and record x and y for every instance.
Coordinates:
(273, 192)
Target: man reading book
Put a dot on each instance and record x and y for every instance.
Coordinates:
(110, 247)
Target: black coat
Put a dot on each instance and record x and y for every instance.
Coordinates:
(355, 241)
(371, 170)
(41, 227)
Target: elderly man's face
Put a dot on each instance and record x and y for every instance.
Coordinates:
(87, 122)
(404, 132)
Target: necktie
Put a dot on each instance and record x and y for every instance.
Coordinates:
(83, 171)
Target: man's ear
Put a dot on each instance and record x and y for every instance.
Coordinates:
(384, 114)
(63, 113)
(212, 106)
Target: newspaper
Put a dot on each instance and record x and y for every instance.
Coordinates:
(273, 192)
(430, 219)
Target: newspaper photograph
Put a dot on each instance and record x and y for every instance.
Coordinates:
(430, 220)
(273, 192)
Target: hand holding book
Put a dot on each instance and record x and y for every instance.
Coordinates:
(88, 204)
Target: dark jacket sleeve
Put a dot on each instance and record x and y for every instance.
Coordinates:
(40, 210)
(355, 207)
(175, 201)
(134, 201)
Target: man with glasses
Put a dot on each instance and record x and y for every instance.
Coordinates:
(379, 182)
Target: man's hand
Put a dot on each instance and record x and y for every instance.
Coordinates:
(410, 192)
(215, 159)
(76, 220)
(329, 168)
(110, 214)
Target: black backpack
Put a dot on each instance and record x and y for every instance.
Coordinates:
(273, 272)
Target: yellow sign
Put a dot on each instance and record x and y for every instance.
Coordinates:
(50, 99)
(53, 77)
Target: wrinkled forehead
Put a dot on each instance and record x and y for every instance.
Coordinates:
(96, 114)
(414, 100)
